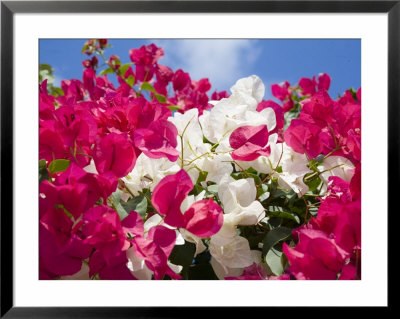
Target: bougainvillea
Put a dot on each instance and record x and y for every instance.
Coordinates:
(157, 178)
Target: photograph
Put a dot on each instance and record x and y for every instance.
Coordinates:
(199, 159)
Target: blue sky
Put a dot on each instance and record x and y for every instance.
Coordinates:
(224, 61)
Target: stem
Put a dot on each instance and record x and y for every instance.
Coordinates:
(181, 151)
(307, 208)
(329, 169)
(331, 152)
(356, 264)
(274, 170)
(181, 136)
(123, 183)
(333, 135)
(216, 144)
(243, 170)
(99, 52)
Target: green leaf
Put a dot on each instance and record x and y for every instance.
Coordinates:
(84, 48)
(313, 210)
(213, 189)
(314, 184)
(59, 206)
(173, 107)
(148, 87)
(122, 69)
(58, 165)
(43, 173)
(130, 80)
(138, 204)
(276, 211)
(55, 91)
(106, 71)
(247, 174)
(116, 201)
(160, 98)
(274, 261)
(262, 192)
(273, 237)
(202, 177)
(201, 272)
(183, 254)
(45, 67)
(275, 222)
(255, 239)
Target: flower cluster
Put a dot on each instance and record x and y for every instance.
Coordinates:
(154, 179)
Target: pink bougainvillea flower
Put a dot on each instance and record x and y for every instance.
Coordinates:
(158, 140)
(257, 272)
(72, 89)
(164, 74)
(104, 231)
(316, 256)
(115, 269)
(324, 82)
(355, 183)
(60, 261)
(281, 91)
(204, 218)
(249, 142)
(307, 85)
(318, 110)
(114, 153)
(203, 85)
(146, 54)
(72, 196)
(46, 102)
(145, 59)
(168, 196)
(155, 250)
(279, 112)
(303, 137)
(341, 221)
(216, 96)
(88, 79)
(74, 174)
(359, 95)
(181, 80)
(354, 144)
(51, 145)
(288, 105)
(133, 224)
(151, 112)
(310, 86)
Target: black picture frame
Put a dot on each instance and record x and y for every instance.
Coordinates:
(9, 8)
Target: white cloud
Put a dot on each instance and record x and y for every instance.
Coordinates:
(223, 62)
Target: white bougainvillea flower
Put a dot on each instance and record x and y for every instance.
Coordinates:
(137, 265)
(217, 165)
(239, 109)
(197, 155)
(148, 172)
(249, 91)
(264, 164)
(234, 254)
(294, 168)
(239, 200)
(223, 272)
(337, 166)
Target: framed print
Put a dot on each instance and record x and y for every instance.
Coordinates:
(190, 141)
